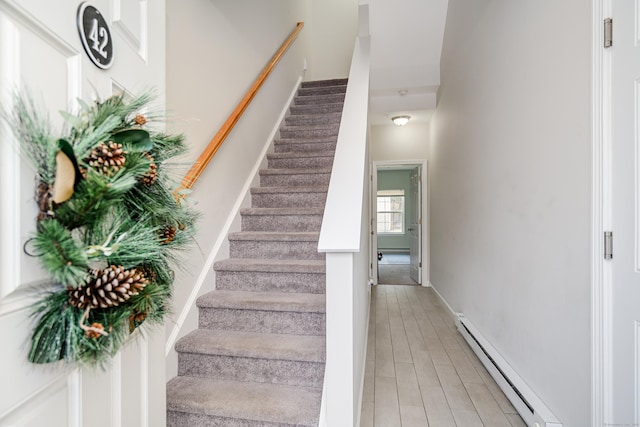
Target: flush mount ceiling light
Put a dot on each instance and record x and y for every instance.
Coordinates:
(400, 120)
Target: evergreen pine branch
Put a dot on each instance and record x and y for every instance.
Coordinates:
(56, 334)
(60, 254)
(125, 241)
(166, 146)
(90, 202)
(98, 352)
(87, 139)
(34, 134)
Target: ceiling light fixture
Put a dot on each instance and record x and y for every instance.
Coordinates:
(400, 120)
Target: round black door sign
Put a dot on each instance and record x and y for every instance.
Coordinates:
(95, 36)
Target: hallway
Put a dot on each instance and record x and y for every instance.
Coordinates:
(421, 372)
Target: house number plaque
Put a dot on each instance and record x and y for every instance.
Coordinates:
(95, 35)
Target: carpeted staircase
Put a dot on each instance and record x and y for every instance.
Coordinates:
(257, 358)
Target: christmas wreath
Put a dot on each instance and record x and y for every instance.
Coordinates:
(109, 229)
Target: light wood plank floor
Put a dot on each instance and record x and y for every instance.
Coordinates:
(421, 372)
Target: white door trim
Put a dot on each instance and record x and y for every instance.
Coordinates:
(424, 209)
(601, 277)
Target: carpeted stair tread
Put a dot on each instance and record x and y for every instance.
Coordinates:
(314, 127)
(308, 131)
(322, 90)
(306, 348)
(299, 171)
(281, 196)
(319, 99)
(306, 109)
(275, 236)
(321, 83)
(300, 154)
(281, 211)
(263, 301)
(306, 140)
(300, 160)
(313, 119)
(268, 403)
(292, 145)
(290, 189)
(271, 265)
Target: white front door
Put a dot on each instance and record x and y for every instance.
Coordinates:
(625, 334)
(415, 225)
(41, 51)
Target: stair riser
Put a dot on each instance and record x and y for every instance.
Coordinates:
(184, 419)
(290, 180)
(318, 99)
(282, 223)
(301, 162)
(275, 322)
(323, 83)
(298, 147)
(287, 372)
(257, 281)
(316, 109)
(301, 132)
(312, 120)
(322, 90)
(274, 249)
(288, 200)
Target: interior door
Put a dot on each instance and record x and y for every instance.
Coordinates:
(625, 334)
(415, 225)
(41, 51)
(373, 224)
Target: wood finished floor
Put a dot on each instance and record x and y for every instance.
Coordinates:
(421, 372)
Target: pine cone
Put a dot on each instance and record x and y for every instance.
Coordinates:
(108, 288)
(107, 158)
(167, 234)
(150, 177)
(140, 120)
(43, 197)
(151, 275)
(93, 333)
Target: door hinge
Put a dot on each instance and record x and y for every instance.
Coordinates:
(608, 245)
(608, 32)
(420, 264)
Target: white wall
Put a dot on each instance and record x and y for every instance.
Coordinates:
(215, 50)
(409, 142)
(510, 188)
(333, 27)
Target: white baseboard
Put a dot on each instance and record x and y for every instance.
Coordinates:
(532, 410)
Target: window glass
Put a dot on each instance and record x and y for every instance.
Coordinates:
(391, 211)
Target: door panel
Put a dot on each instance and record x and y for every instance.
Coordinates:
(625, 366)
(130, 19)
(415, 227)
(40, 50)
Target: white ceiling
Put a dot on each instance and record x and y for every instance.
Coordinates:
(406, 42)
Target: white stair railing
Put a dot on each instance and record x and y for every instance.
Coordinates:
(344, 239)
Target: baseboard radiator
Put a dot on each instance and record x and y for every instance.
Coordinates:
(532, 410)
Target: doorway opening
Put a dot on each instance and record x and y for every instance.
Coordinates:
(399, 232)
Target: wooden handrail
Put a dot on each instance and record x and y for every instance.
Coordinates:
(199, 166)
